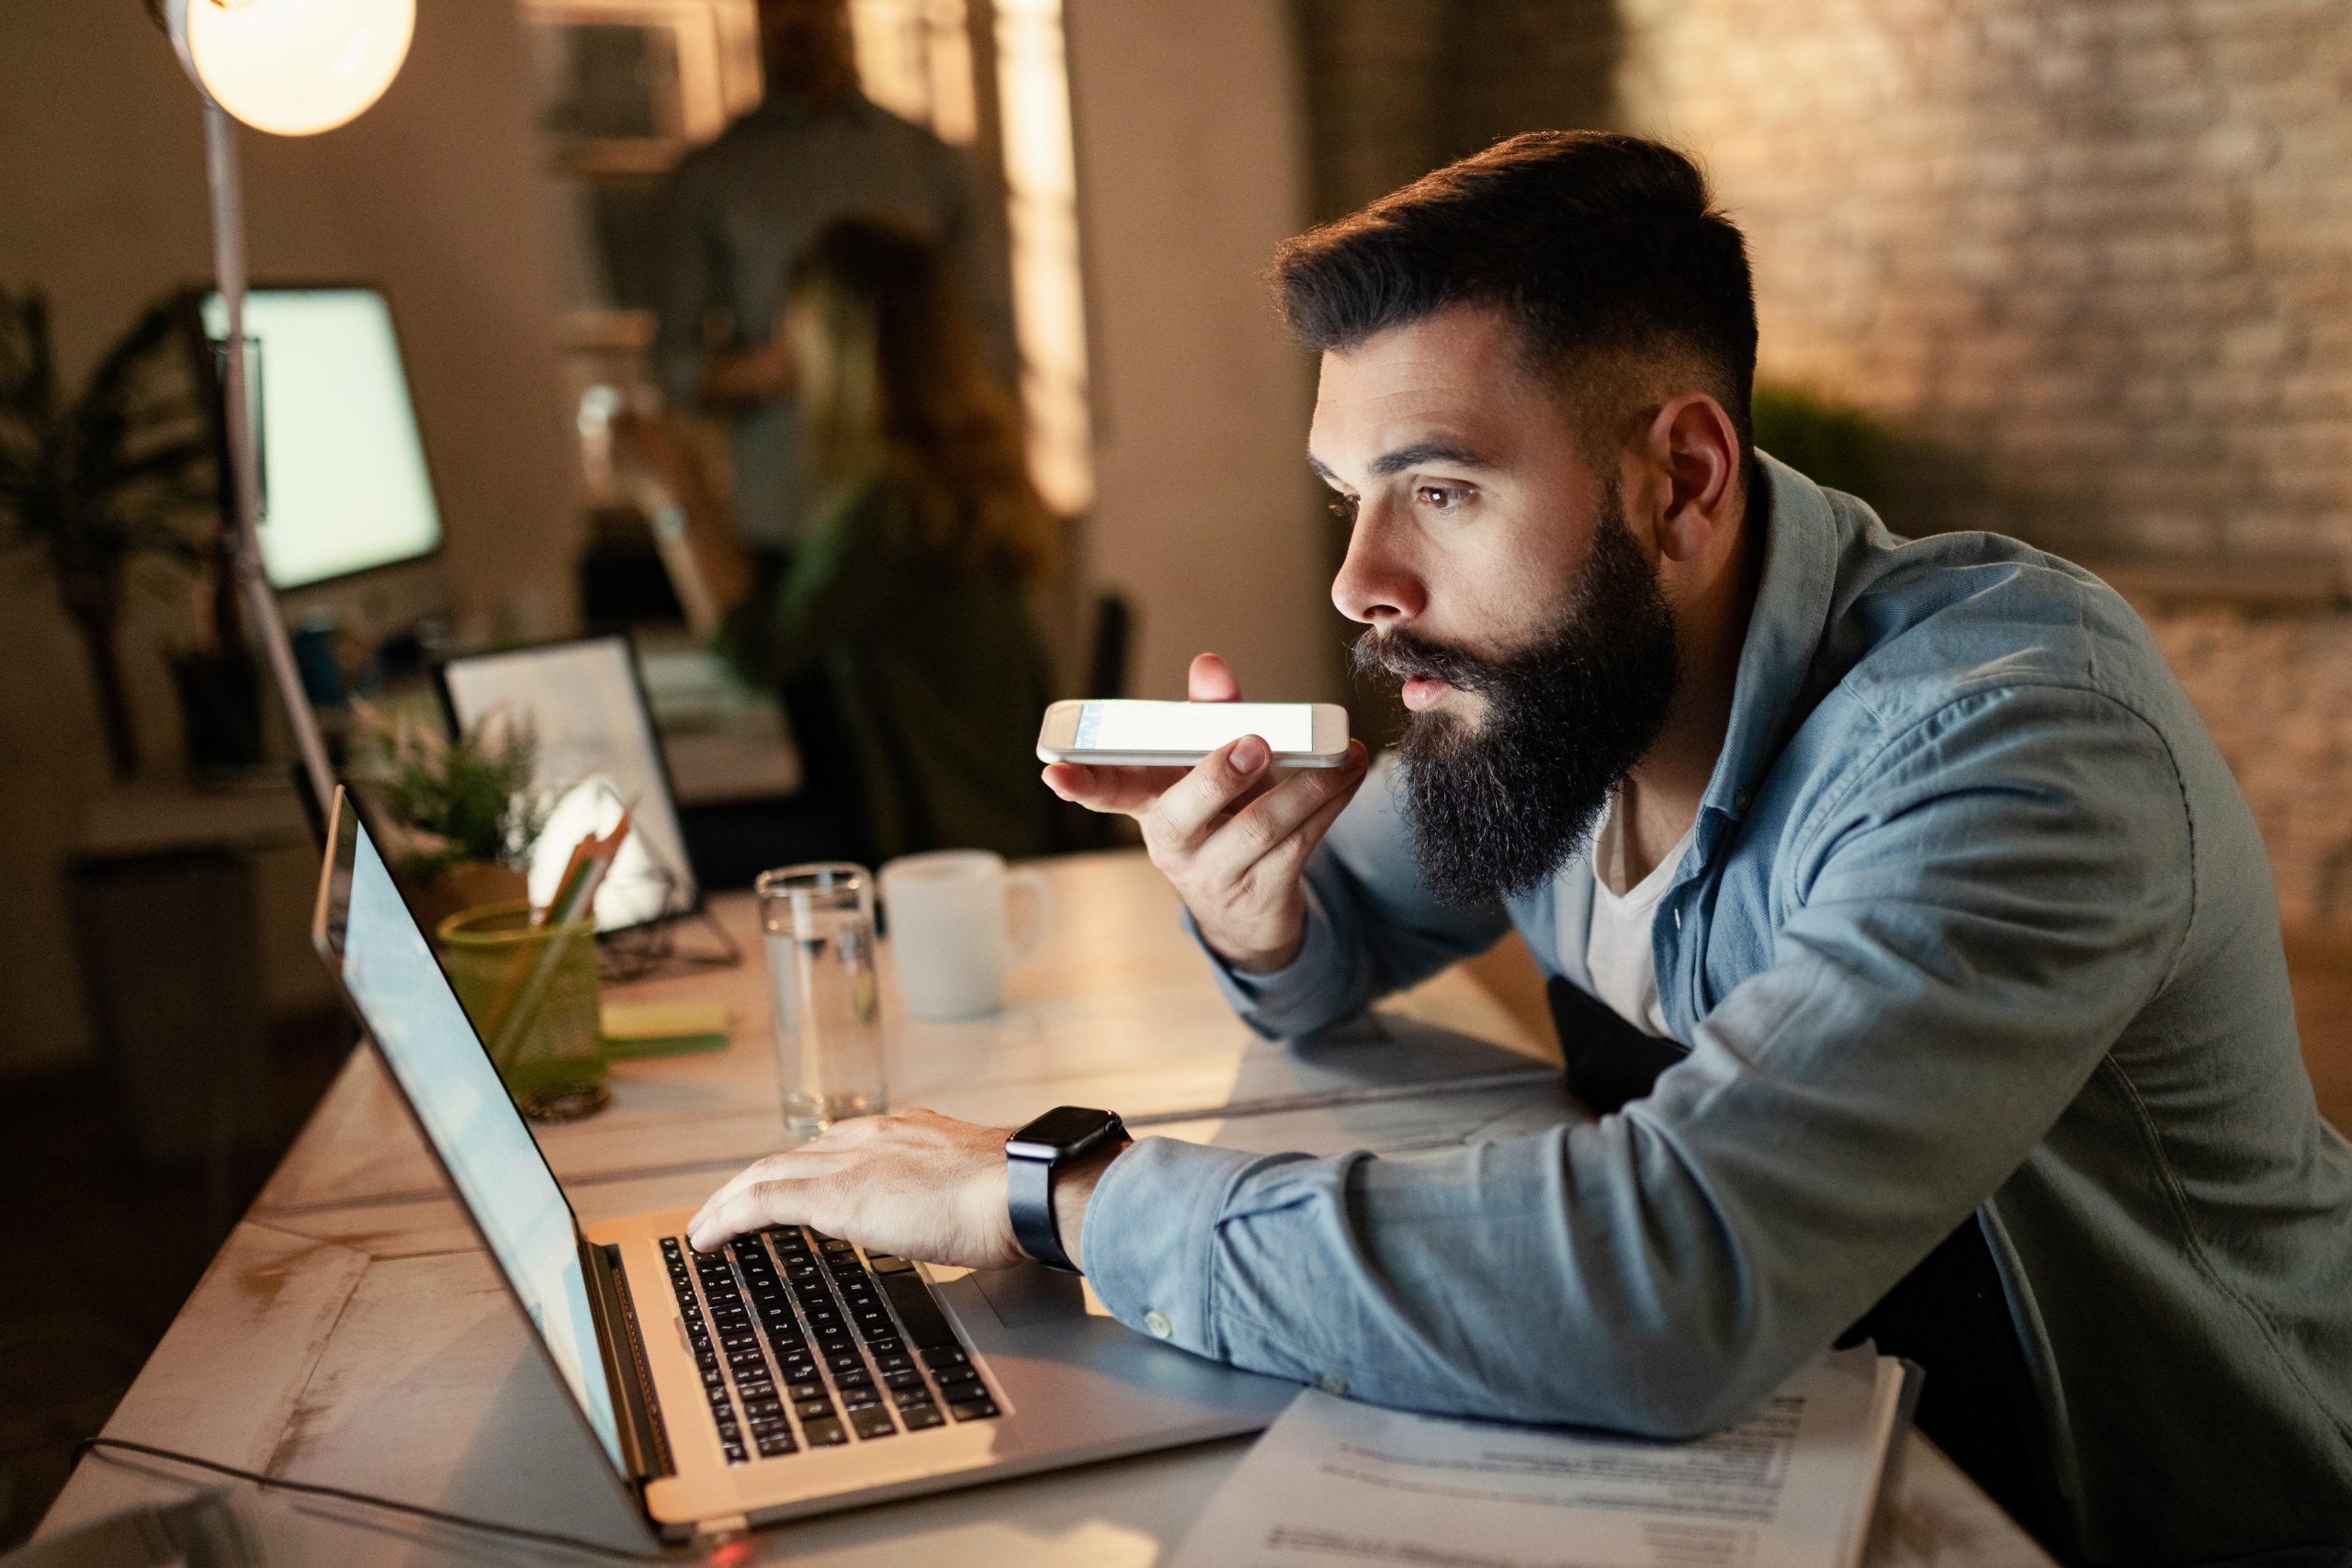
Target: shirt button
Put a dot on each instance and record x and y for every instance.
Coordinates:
(1157, 1320)
(1334, 1383)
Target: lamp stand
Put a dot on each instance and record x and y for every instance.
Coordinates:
(243, 523)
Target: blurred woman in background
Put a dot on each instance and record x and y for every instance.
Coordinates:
(898, 630)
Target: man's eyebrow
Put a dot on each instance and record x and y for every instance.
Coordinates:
(1404, 457)
(1421, 452)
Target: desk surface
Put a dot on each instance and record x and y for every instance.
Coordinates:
(351, 1333)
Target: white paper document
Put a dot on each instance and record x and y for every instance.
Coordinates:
(1338, 1484)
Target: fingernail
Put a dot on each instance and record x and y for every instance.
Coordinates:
(1249, 755)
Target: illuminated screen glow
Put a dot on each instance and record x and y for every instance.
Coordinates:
(422, 1031)
(343, 477)
(1120, 724)
(598, 751)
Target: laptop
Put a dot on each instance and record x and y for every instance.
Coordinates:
(597, 752)
(791, 1373)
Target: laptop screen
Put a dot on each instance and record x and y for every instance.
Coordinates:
(596, 751)
(424, 1034)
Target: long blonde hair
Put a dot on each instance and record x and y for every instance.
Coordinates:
(893, 390)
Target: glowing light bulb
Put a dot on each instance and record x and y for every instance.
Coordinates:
(294, 67)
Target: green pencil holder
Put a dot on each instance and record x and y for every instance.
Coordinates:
(531, 992)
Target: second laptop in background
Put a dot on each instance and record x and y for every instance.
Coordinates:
(596, 745)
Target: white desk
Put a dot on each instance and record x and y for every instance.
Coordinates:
(350, 1333)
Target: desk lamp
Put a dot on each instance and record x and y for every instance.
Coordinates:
(291, 68)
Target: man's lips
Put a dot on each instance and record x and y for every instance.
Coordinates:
(1422, 690)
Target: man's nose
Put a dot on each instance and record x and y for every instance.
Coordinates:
(1376, 585)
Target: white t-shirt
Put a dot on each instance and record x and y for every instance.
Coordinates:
(1617, 951)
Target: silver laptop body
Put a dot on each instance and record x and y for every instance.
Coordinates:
(685, 1370)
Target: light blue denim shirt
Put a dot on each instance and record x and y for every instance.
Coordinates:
(1975, 919)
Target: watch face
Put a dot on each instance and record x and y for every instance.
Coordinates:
(1062, 1127)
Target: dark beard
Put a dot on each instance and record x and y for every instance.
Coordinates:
(1493, 813)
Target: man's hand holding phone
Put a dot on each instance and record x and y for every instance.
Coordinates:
(1232, 842)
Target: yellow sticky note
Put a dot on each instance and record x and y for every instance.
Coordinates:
(664, 1029)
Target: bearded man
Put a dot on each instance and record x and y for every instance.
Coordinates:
(1903, 921)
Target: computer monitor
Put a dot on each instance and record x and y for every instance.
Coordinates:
(344, 488)
(597, 752)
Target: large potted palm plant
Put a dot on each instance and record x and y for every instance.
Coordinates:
(104, 485)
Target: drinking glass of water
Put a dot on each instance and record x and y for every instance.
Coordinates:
(824, 994)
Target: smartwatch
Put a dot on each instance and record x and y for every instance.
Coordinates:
(1062, 1136)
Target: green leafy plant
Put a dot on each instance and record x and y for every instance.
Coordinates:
(1830, 443)
(95, 485)
(470, 798)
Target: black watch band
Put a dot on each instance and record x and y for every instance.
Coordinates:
(1062, 1136)
(1029, 1189)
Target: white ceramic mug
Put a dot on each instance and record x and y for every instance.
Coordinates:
(949, 923)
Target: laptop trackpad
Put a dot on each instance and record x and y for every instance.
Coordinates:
(1031, 1295)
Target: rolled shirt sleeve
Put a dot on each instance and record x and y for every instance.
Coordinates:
(1974, 914)
(1163, 1276)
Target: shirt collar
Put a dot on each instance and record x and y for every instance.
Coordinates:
(1802, 540)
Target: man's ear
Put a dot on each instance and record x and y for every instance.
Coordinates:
(1692, 442)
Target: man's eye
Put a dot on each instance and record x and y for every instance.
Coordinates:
(1343, 507)
(1441, 498)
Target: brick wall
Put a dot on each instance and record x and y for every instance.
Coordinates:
(2092, 261)
(1395, 87)
(2088, 260)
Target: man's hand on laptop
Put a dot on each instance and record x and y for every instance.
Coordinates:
(1232, 844)
(916, 1183)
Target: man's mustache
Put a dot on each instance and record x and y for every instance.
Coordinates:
(1401, 656)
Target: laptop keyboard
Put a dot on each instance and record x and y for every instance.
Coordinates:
(802, 1343)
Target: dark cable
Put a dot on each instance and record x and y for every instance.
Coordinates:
(490, 1527)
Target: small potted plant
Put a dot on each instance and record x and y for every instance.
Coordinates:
(463, 813)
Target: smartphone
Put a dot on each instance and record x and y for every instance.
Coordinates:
(1124, 732)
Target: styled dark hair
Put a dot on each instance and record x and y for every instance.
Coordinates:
(1607, 252)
